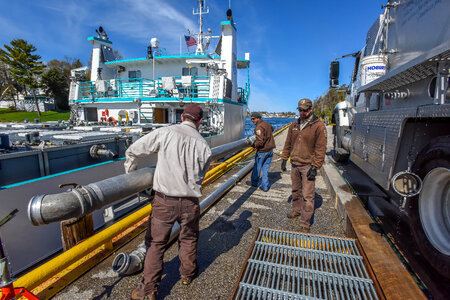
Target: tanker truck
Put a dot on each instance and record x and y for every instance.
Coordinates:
(394, 123)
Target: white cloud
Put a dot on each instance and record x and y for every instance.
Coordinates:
(141, 19)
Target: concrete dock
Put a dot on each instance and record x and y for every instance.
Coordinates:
(227, 230)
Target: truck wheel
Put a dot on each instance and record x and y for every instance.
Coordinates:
(430, 211)
(339, 154)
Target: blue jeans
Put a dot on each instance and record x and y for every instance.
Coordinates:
(262, 163)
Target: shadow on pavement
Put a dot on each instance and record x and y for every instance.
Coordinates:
(221, 236)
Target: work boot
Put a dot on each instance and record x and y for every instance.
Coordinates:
(137, 294)
(293, 214)
(304, 229)
(249, 183)
(187, 280)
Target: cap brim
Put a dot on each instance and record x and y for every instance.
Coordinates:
(302, 106)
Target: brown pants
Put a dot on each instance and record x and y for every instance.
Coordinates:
(302, 193)
(165, 211)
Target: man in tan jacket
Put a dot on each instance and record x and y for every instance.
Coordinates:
(183, 159)
(306, 146)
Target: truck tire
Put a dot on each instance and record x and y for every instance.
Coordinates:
(339, 154)
(429, 212)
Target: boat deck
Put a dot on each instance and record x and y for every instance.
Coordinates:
(227, 230)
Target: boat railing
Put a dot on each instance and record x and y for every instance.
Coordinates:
(142, 88)
(243, 93)
(198, 87)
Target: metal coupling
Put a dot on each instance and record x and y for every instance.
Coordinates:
(125, 264)
(251, 140)
(99, 151)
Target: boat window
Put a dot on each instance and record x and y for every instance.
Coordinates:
(193, 71)
(134, 74)
(90, 114)
(178, 113)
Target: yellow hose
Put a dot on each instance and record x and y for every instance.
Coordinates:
(42, 273)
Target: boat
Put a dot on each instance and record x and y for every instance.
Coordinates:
(153, 90)
(123, 100)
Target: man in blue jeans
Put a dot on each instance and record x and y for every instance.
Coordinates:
(264, 145)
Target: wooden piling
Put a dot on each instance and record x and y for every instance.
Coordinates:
(75, 230)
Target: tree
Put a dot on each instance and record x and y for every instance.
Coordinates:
(56, 80)
(324, 105)
(23, 65)
(55, 85)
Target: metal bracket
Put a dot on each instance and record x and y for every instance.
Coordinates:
(442, 79)
(73, 184)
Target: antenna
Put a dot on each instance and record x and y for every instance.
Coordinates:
(202, 47)
(200, 12)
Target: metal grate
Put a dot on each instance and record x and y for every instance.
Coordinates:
(290, 265)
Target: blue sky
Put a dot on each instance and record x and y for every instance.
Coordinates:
(291, 43)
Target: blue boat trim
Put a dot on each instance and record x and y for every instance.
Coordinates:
(160, 57)
(161, 99)
(100, 40)
(58, 174)
(228, 23)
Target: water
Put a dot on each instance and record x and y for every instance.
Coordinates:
(275, 122)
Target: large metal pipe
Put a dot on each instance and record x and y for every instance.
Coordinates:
(223, 150)
(82, 200)
(127, 264)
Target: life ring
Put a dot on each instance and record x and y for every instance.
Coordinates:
(112, 120)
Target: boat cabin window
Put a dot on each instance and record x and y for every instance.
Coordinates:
(178, 113)
(91, 114)
(193, 71)
(134, 74)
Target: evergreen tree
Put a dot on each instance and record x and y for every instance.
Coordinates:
(23, 65)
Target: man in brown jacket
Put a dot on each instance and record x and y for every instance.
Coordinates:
(306, 146)
(264, 144)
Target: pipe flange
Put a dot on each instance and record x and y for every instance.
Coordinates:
(34, 210)
(83, 196)
(95, 196)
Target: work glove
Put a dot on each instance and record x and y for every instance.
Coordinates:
(283, 165)
(311, 175)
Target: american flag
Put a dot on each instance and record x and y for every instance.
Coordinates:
(190, 41)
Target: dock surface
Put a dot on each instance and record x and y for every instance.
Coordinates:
(227, 230)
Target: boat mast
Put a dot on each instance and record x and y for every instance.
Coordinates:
(200, 12)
